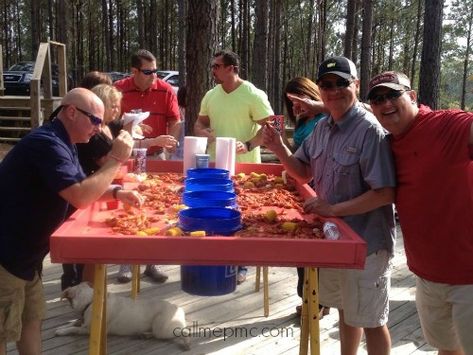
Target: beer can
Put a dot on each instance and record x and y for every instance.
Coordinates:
(202, 161)
(277, 121)
(139, 163)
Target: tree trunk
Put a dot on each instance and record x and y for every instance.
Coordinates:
(200, 46)
(181, 49)
(429, 79)
(233, 30)
(350, 29)
(354, 46)
(260, 46)
(366, 48)
(244, 40)
(35, 27)
(416, 41)
(276, 95)
(465, 63)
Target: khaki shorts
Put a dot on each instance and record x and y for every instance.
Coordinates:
(20, 301)
(363, 295)
(446, 314)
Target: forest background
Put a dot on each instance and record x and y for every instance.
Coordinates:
(429, 40)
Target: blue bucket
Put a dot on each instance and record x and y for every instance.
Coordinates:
(208, 184)
(208, 173)
(209, 199)
(213, 220)
(209, 280)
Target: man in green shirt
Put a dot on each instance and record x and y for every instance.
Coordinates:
(234, 108)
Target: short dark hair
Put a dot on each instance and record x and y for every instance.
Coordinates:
(139, 56)
(229, 58)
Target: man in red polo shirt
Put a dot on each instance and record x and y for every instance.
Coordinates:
(144, 91)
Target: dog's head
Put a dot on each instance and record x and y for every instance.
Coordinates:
(79, 296)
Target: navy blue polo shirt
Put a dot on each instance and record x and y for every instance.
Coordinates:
(32, 174)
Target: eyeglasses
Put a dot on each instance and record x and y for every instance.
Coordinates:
(216, 66)
(391, 95)
(148, 71)
(96, 121)
(330, 85)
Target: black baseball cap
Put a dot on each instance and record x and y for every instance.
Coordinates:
(340, 66)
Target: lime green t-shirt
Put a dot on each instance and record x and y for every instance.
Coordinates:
(236, 115)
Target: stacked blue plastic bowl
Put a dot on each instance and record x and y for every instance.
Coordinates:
(210, 196)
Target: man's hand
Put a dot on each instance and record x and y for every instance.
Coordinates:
(165, 141)
(318, 206)
(272, 139)
(305, 107)
(131, 198)
(122, 146)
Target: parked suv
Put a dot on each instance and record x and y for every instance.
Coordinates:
(18, 77)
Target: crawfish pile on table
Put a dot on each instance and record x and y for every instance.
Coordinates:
(265, 201)
(261, 196)
(162, 202)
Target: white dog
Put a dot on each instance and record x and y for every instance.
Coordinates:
(144, 317)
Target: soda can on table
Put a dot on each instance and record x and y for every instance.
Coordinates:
(202, 161)
(139, 162)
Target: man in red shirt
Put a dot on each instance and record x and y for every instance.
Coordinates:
(144, 91)
(434, 199)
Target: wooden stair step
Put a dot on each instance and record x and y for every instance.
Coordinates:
(15, 118)
(9, 139)
(15, 108)
(23, 129)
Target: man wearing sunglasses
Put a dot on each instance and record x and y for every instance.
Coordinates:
(39, 178)
(349, 160)
(233, 108)
(144, 91)
(434, 199)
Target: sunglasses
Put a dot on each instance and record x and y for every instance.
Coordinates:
(330, 85)
(96, 121)
(148, 71)
(391, 95)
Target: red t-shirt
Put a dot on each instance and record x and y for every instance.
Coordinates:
(160, 100)
(435, 195)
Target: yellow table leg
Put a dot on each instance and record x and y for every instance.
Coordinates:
(98, 326)
(313, 303)
(135, 281)
(258, 276)
(304, 341)
(265, 291)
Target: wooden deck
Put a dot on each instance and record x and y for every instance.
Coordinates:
(239, 312)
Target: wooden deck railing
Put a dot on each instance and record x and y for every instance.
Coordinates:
(43, 64)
